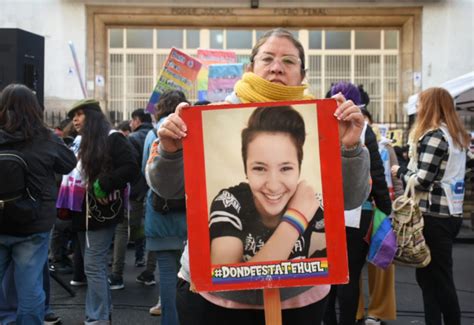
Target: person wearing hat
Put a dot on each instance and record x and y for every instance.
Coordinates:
(96, 198)
(88, 103)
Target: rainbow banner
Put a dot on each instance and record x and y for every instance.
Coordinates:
(293, 269)
(221, 80)
(383, 243)
(208, 57)
(179, 72)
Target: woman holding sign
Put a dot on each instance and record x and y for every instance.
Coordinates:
(272, 150)
(276, 73)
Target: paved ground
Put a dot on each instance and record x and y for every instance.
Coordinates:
(131, 304)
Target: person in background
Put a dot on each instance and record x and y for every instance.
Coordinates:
(275, 73)
(124, 128)
(439, 159)
(165, 231)
(96, 199)
(24, 239)
(60, 242)
(140, 125)
(347, 295)
(382, 302)
(59, 129)
(402, 155)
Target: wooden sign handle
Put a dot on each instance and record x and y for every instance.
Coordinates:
(272, 306)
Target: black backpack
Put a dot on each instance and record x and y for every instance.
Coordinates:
(17, 204)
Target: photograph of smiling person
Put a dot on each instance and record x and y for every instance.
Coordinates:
(275, 214)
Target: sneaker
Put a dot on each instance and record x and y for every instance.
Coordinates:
(78, 283)
(370, 320)
(61, 267)
(156, 310)
(116, 282)
(140, 262)
(51, 319)
(146, 278)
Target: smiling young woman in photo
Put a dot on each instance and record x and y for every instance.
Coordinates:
(260, 220)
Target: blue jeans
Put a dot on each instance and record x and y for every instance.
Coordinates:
(168, 262)
(29, 255)
(8, 297)
(98, 297)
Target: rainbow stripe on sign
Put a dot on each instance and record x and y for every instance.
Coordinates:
(178, 73)
(268, 272)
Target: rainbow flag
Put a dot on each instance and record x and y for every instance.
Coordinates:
(383, 243)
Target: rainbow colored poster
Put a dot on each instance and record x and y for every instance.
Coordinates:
(208, 57)
(179, 72)
(222, 78)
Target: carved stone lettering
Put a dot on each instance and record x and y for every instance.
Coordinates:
(300, 11)
(218, 12)
(202, 11)
(286, 11)
(313, 12)
(184, 11)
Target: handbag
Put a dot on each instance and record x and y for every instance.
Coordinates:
(407, 223)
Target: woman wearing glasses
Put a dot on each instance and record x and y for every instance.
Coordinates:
(275, 73)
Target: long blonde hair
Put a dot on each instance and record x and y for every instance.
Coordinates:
(436, 106)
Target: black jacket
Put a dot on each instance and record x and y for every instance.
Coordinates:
(123, 170)
(45, 157)
(379, 192)
(137, 139)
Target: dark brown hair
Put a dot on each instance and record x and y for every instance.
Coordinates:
(276, 119)
(21, 112)
(168, 102)
(93, 151)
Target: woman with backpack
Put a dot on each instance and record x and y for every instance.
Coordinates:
(32, 153)
(439, 158)
(97, 198)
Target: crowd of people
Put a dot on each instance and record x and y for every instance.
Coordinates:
(99, 188)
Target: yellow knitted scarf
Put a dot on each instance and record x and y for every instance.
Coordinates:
(252, 88)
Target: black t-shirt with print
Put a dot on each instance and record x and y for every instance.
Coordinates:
(233, 213)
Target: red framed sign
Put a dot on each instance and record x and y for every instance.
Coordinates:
(241, 178)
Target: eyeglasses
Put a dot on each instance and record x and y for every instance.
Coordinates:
(288, 61)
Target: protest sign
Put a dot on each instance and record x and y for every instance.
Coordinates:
(221, 81)
(178, 73)
(217, 207)
(208, 57)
